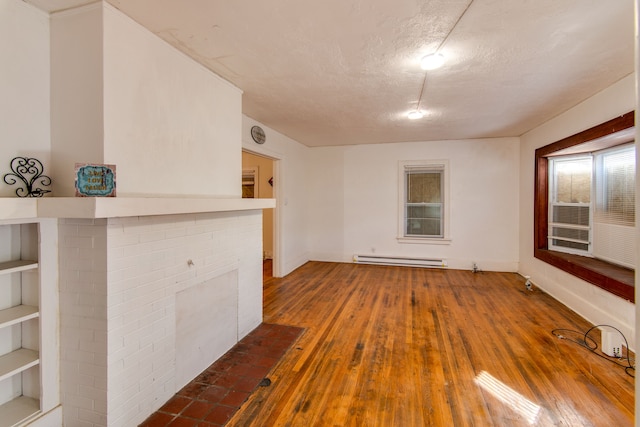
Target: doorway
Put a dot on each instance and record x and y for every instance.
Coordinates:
(258, 182)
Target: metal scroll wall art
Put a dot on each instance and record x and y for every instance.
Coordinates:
(28, 172)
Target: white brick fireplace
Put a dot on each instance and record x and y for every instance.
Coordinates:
(127, 284)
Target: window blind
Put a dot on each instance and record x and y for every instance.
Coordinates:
(615, 186)
(614, 216)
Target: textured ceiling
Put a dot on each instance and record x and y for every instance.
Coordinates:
(337, 72)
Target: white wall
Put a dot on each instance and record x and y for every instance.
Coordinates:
(123, 96)
(292, 193)
(327, 228)
(333, 202)
(593, 303)
(24, 87)
(356, 195)
(171, 126)
(77, 125)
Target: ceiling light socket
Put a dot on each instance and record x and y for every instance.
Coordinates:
(415, 114)
(432, 61)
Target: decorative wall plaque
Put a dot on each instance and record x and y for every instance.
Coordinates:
(95, 180)
(28, 171)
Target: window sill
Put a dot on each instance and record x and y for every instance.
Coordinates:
(425, 240)
(615, 279)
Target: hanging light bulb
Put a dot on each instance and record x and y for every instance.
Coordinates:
(415, 114)
(432, 61)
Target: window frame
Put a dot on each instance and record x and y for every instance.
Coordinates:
(553, 187)
(407, 165)
(610, 277)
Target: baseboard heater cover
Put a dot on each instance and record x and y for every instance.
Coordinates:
(400, 261)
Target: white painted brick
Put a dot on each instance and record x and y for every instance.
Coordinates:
(81, 357)
(142, 263)
(93, 346)
(81, 423)
(176, 232)
(92, 393)
(123, 239)
(77, 401)
(92, 417)
(100, 406)
(82, 242)
(92, 369)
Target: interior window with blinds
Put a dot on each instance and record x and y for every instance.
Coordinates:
(592, 204)
(424, 207)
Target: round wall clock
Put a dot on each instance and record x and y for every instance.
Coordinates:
(258, 135)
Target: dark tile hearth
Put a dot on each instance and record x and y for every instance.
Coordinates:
(217, 393)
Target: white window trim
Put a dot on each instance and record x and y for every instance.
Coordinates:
(552, 203)
(404, 165)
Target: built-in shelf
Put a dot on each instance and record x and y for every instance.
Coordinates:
(29, 382)
(17, 265)
(17, 361)
(17, 314)
(17, 411)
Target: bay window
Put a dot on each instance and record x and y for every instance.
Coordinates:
(592, 204)
(584, 207)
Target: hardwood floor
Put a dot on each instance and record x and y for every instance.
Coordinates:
(393, 346)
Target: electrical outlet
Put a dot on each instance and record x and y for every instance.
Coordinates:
(611, 344)
(613, 352)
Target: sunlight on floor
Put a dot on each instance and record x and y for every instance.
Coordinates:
(529, 410)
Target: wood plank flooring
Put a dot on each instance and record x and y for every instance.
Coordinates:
(393, 346)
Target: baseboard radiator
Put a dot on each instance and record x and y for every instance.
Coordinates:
(400, 261)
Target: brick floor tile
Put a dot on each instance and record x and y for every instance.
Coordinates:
(227, 381)
(193, 389)
(246, 384)
(221, 414)
(235, 398)
(198, 409)
(175, 404)
(214, 394)
(158, 419)
(183, 422)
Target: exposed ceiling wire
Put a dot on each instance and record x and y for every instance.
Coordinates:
(442, 42)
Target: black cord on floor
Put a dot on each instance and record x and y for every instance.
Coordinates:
(591, 345)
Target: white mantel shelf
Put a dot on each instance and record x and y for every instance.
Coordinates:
(114, 207)
(18, 208)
